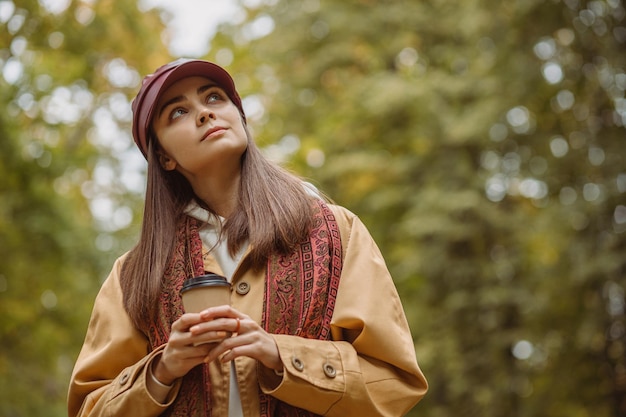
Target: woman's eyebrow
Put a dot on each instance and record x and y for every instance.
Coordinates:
(177, 99)
(169, 102)
(206, 87)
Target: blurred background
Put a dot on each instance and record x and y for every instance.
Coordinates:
(482, 142)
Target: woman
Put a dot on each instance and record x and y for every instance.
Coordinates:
(315, 325)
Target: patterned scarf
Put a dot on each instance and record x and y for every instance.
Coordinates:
(300, 294)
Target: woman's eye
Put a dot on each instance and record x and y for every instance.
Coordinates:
(176, 113)
(213, 97)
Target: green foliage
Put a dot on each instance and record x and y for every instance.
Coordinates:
(482, 143)
(53, 87)
(494, 191)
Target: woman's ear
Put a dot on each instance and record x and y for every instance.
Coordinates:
(166, 162)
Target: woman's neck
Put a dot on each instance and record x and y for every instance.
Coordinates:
(220, 195)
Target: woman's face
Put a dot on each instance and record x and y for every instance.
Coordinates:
(200, 131)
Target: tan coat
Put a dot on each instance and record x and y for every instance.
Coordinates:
(368, 369)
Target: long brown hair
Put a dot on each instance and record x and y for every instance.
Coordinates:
(273, 215)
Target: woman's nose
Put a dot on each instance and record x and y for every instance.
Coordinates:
(204, 115)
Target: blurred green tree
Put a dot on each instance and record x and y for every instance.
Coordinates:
(483, 144)
(480, 141)
(66, 71)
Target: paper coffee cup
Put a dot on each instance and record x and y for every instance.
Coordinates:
(204, 291)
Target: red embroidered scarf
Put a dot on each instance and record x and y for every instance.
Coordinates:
(300, 295)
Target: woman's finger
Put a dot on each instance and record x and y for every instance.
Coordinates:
(256, 344)
(237, 324)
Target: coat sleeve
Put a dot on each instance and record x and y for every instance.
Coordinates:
(370, 367)
(109, 377)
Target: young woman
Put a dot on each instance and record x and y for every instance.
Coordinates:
(315, 325)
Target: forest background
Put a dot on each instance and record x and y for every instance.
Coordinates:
(482, 142)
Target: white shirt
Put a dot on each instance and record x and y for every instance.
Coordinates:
(210, 236)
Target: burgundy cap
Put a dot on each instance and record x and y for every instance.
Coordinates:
(154, 84)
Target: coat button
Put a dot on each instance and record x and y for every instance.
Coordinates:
(124, 378)
(242, 288)
(297, 363)
(330, 370)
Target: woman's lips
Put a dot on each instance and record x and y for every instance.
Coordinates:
(213, 133)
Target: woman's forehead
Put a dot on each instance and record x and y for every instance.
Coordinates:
(186, 85)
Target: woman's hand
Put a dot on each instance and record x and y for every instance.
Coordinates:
(248, 338)
(185, 349)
